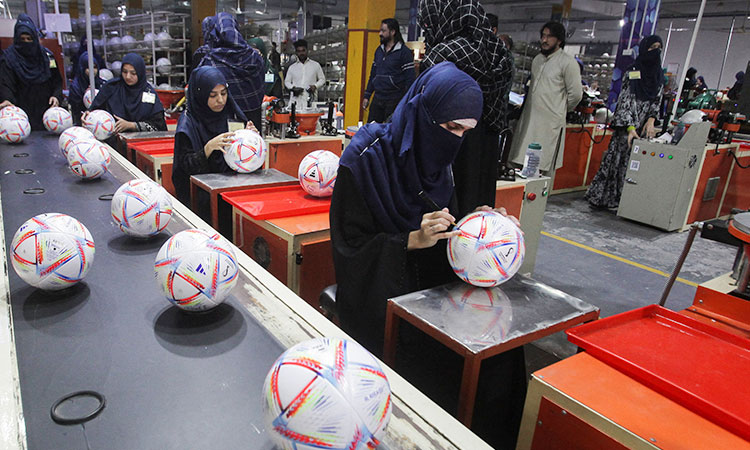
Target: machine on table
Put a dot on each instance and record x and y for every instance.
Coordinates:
(651, 377)
(287, 232)
(670, 186)
(213, 184)
(158, 367)
(478, 323)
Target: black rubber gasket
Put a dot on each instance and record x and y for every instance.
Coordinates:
(106, 197)
(20, 155)
(34, 191)
(25, 171)
(77, 420)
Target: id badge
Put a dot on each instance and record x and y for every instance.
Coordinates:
(52, 63)
(269, 78)
(148, 97)
(635, 75)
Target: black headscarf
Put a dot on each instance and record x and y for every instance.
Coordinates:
(649, 64)
(199, 123)
(29, 60)
(81, 81)
(82, 47)
(459, 31)
(392, 162)
(126, 101)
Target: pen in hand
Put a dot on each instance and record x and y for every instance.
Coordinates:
(431, 203)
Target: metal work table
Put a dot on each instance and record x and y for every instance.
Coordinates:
(171, 380)
(478, 323)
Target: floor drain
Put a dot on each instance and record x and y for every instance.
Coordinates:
(34, 191)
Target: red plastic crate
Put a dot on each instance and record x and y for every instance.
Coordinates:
(157, 147)
(699, 366)
(276, 202)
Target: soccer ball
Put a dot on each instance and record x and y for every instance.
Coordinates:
(163, 39)
(14, 128)
(116, 67)
(57, 119)
(163, 66)
(115, 43)
(71, 135)
(317, 173)
(13, 111)
(489, 250)
(88, 97)
(326, 393)
(88, 158)
(476, 316)
(247, 153)
(128, 42)
(141, 208)
(100, 123)
(196, 269)
(52, 251)
(106, 74)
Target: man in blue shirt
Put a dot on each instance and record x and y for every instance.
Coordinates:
(391, 75)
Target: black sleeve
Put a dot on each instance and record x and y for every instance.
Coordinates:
(56, 82)
(189, 160)
(8, 83)
(157, 122)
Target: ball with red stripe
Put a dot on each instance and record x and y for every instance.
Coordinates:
(100, 123)
(247, 152)
(326, 393)
(71, 135)
(88, 158)
(12, 110)
(317, 173)
(196, 270)
(141, 208)
(14, 128)
(88, 98)
(52, 251)
(489, 249)
(57, 119)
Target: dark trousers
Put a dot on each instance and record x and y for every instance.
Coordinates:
(475, 169)
(381, 110)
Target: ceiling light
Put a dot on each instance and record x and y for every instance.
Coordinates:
(622, 23)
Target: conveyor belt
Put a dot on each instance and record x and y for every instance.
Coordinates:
(171, 380)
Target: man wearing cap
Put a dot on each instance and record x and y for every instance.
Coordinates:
(555, 89)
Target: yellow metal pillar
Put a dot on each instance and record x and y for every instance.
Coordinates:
(73, 9)
(135, 4)
(362, 40)
(96, 7)
(199, 11)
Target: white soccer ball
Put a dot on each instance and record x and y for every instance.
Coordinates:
(14, 129)
(88, 158)
(128, 42)
(149, 38)
(115, 43)
(317, 173)
(52, 251)
(247, 152)
(106, 74)
(116, 67)
(13, 110)
(57, 119)
(196, 270)
(163, 66)
(163, 39)
(326, 393)
(88, 97)
(489, 250)
(141, 208)
(100, 123)
(71, 135)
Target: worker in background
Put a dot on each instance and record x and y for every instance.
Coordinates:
(29, 77)
(81, 84)
(555, 89)
(275, 58)
(207, 27)
(242, 66)
(734, 92)
(391, 75)
(304, 77)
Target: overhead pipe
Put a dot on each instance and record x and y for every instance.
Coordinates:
(726, 52)
(689, 55)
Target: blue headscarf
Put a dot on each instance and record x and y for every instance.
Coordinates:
(207, 26)
(126, 101)
(199, 123)
(393, 162)
(649, 64)
(82, 47)
(29, 60)
(81, 81)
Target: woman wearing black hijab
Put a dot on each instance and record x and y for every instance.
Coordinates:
(203, 129)
(80, 85)
(131, 99)
(29, 77)
(636, 112)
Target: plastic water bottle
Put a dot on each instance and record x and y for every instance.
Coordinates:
(531, 161)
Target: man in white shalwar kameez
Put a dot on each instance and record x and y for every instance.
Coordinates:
(555, 89)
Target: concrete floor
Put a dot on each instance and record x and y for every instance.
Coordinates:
(613, 285)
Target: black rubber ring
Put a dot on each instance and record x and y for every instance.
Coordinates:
(24, 171)
(20, 155)
(34, 191)
(106, 197)
(77, 420)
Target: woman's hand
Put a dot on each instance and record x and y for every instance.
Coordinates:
(502, 211)
(53, 101)
(123, 125)
(218, 143)
(251, 126)
(6, 103)
(650, 130)
(632, 134)
(432, 229)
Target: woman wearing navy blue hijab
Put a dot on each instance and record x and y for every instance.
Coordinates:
(131, 99)
(29, 77)
(203, 129)
(80, 85)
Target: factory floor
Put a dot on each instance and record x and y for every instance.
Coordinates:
(615, 264)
